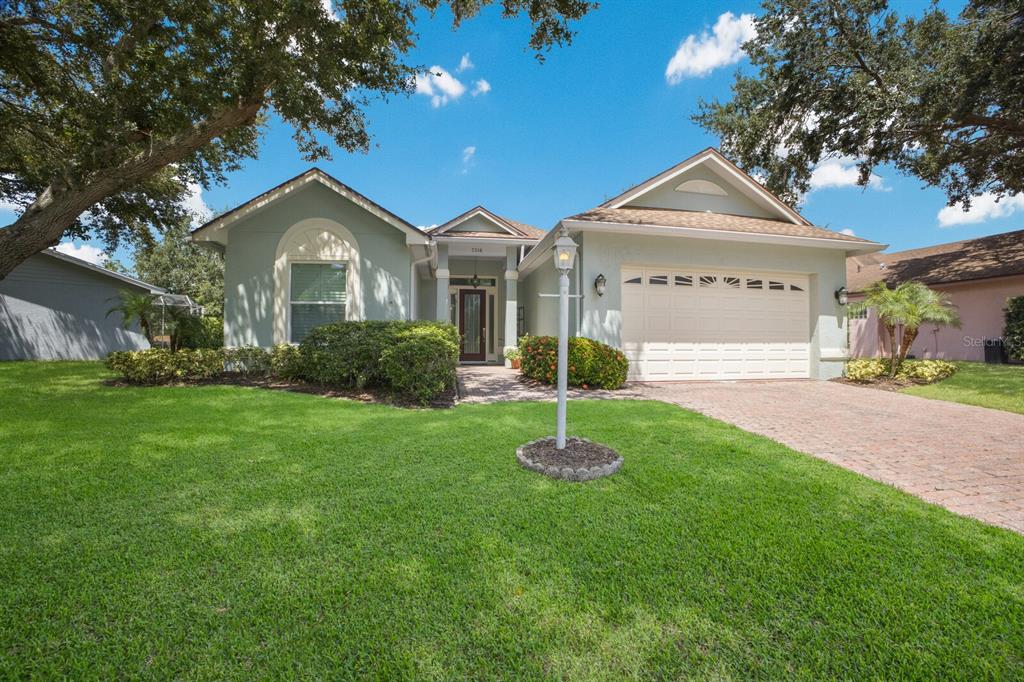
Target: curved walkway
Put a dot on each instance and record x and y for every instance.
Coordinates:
(967, 459)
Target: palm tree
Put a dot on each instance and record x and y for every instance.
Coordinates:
(909, 305)
(134, 307)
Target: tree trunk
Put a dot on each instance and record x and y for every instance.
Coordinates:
(59, 206)
(909, 335)
(890, 329)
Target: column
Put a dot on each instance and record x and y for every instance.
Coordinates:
(511, 297)
(442, 276)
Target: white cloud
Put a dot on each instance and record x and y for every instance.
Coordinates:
(697, 56)
(193, 202)
(983, 207)
(468, 155)
(328, 7)
(841, 171)
(481, 87)
(86, 252)
(465, 63)
(439, 85)
(848, 232)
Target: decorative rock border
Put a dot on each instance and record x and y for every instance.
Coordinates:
(567, 473)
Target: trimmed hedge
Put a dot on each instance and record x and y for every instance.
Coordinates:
(1013, 334)
(412, 360)
(592, 364)
(922, 371)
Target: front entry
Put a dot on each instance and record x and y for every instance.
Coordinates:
(471, 325)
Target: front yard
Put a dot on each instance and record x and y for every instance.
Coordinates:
(226, 532)
(1000, 387)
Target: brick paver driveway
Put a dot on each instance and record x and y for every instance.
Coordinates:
(967, 459)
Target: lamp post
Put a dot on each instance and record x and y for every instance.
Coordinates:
(565, 256)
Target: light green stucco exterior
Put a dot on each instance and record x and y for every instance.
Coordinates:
(384, 262)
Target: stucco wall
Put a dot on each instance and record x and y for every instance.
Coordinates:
(54, 310)
(607, 253)
(736, 203)
(383, 266)
(980, 304)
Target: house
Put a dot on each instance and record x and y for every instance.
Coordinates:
(54, 307)
(978, 275)
(704, 273)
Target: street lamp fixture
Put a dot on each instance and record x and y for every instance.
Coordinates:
(565, 257)
(565, 252)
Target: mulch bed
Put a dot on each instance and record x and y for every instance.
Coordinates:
(881, 384)
(365, 395)
(580, 460)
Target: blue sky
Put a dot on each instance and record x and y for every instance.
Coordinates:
(549, 140)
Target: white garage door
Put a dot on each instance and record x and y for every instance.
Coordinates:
(695, 323)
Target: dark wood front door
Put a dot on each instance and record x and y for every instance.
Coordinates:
(471, 324)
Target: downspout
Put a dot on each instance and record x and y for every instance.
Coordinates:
(413, 302)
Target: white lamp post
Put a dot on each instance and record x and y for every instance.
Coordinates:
(565, 257)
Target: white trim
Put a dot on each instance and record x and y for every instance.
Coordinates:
(496, 241)
(532, 259)
(511, 275)
(442, 272)
(752, 191)
(218, 226)
(103, 271)
(345, 249)
(291, 302)
(479, 211)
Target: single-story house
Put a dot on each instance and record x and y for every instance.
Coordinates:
(54, 307)
(703, 273)
(977, 274)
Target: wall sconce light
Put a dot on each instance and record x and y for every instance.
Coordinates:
(842, 296)
(599, 284)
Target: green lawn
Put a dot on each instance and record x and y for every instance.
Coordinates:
(226, 532)
(1000, 387)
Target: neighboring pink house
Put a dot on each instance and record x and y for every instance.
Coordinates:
(978, 274)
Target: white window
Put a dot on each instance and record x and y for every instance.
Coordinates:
(317, 296)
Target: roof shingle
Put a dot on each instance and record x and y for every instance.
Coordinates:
(666, 217)
(999, 255)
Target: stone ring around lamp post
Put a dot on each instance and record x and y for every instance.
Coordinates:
(580, 459)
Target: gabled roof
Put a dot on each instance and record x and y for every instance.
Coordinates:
(413, 234)
(103, 271)
(711, 156)
(999, 255)
(702, 220)
(511, 229)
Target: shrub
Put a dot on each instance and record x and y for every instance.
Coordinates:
(1013, 334)
(592, 364)
(924, 371)
(421, 365)
(286, 361)
(202, 332)
(250, 361)
(160, 365)
(866, 369)
(351, 354)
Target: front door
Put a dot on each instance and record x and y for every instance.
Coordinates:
(471, 324)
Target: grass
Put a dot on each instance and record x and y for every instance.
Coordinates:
(226, 532)
(1000, 387)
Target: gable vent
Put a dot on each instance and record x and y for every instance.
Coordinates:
(702, 187)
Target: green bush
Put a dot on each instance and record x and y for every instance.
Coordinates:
(250, 361)
(286, 361)
(1013, 334)
(202, 332)
(421, 365)
(865, 369)
(351, 354)
(926, 371)
(160, 366)
(923, 371)
(592, 364)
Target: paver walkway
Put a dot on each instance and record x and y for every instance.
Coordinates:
(967, 459)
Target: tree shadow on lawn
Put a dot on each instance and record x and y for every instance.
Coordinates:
(234, 530)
